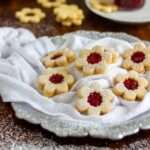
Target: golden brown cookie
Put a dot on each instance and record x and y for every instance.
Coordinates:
(137, 59)
(51, 3)
(130, 86)
(103, 6)
(33, 15)
(59, 58)
(93, 100)
(69, 15)
(54, 81)
(95, 60)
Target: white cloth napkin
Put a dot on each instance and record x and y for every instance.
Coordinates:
(20, 67)
(11, 37)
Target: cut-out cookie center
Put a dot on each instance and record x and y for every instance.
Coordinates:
(94, 58)
(95, 99)
(138, 57)
(131, 84)
(56, 56)
(30, 14)
(56, 78)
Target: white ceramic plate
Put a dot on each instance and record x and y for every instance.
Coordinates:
(136, 16)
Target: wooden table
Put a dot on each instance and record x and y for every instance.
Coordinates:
(15, 133)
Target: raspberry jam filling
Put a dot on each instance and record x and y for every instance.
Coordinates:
(131, 84)
(94, 58)
(56, 56)
(130, 4)
(138, 57)
(95, 99)
(56, 78)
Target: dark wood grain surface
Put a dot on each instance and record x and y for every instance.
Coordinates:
(16, 133)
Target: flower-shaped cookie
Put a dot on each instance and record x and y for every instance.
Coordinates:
(95, 61)
(130, 86)
(59, 58)
(94, 100)
(137, 59)
(33, 15)
(104, 6)
(54, 81)
(51, 3)
(69, 15)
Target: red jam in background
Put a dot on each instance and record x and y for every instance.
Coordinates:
(130, 4)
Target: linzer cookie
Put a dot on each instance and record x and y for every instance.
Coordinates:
(69, 15)
(93, 100)
(130, 86)
(54, 81)
(95, 60)
(30, 15)
(59, 58)
(137, 59)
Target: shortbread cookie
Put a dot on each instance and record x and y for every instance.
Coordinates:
(69, 15)
(95, 60)
(93, 100)
(137, 59)
(130, 86)
(105, 7)
(59, 58)
(54, 81)
(32, 15)
(51, 3)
